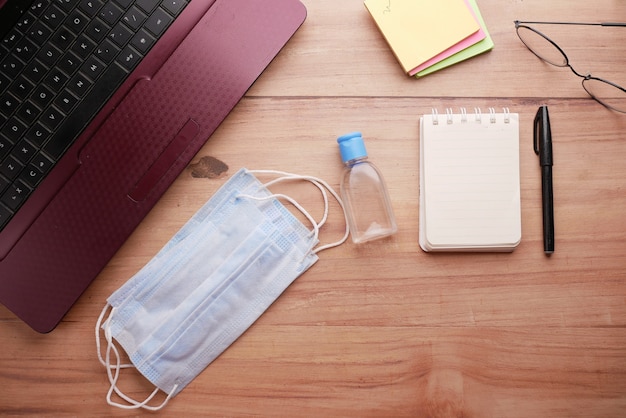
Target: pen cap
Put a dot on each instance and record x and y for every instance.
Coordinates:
(542, 136)
(351, 147)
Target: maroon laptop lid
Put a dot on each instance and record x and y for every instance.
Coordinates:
(134, 149)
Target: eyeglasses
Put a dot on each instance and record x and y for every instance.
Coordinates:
(603, 91)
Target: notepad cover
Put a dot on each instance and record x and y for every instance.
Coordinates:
(469, 182)
(417, 30)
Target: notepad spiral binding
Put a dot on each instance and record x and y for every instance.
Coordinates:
(477, 115)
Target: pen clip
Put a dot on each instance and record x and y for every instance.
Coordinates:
(537, 129)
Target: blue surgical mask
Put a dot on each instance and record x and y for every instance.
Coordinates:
(208, 284)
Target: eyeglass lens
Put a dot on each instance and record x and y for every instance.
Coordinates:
(541, 46)
(608, 94)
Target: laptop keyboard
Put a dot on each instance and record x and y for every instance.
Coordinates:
(60, 62)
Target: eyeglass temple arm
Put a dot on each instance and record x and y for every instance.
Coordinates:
(618, 24)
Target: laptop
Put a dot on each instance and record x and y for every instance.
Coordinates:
(102, 104)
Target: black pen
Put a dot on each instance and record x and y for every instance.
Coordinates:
(542, 143)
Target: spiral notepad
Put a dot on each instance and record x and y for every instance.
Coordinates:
(469, 181)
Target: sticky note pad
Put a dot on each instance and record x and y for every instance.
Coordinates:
(418, 30)
(478, 48)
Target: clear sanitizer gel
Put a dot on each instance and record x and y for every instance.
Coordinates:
(364, 194)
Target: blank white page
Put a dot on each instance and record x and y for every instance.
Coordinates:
(470, 182)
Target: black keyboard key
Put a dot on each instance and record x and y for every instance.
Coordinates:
(66, 101)
(24, 23)
(42, 163)
(129, 58)
(42, 96)
(25, 50)
(31, 176)
(76, 21)
(134, 18)
(15, 195)
(55, 80)
(143, 41)
(10, 167)
(39, 33)
(158, 22)
(120, 34)
(107, 51)
(37, 135)
(23, 151)
(97, 30)
(70, 63)
(22, 88)
(11, 39)
(53, 17)
(28, 113)
(92, 67)
(49, 55)
(35, 71)
(38, 7)
(90, 7)
(11, 66)
(79, 85)
(8, 104)
(51, 118)
(13, 129)
(83, 47)
(63, 38)
(110, 13)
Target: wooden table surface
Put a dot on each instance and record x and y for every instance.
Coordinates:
(384, 329)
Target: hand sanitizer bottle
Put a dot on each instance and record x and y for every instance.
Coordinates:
(364, 194)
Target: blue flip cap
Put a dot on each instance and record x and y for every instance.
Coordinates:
(351, 146)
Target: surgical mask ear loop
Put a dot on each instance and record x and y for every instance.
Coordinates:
(98, 345)
(318, 185)
(290, 200)
(113, 371)
(317, 182)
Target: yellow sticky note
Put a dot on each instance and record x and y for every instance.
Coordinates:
(417, 30)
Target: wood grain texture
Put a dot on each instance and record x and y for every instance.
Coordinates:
(384, 329)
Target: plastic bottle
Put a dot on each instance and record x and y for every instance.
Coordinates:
(364, 193)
